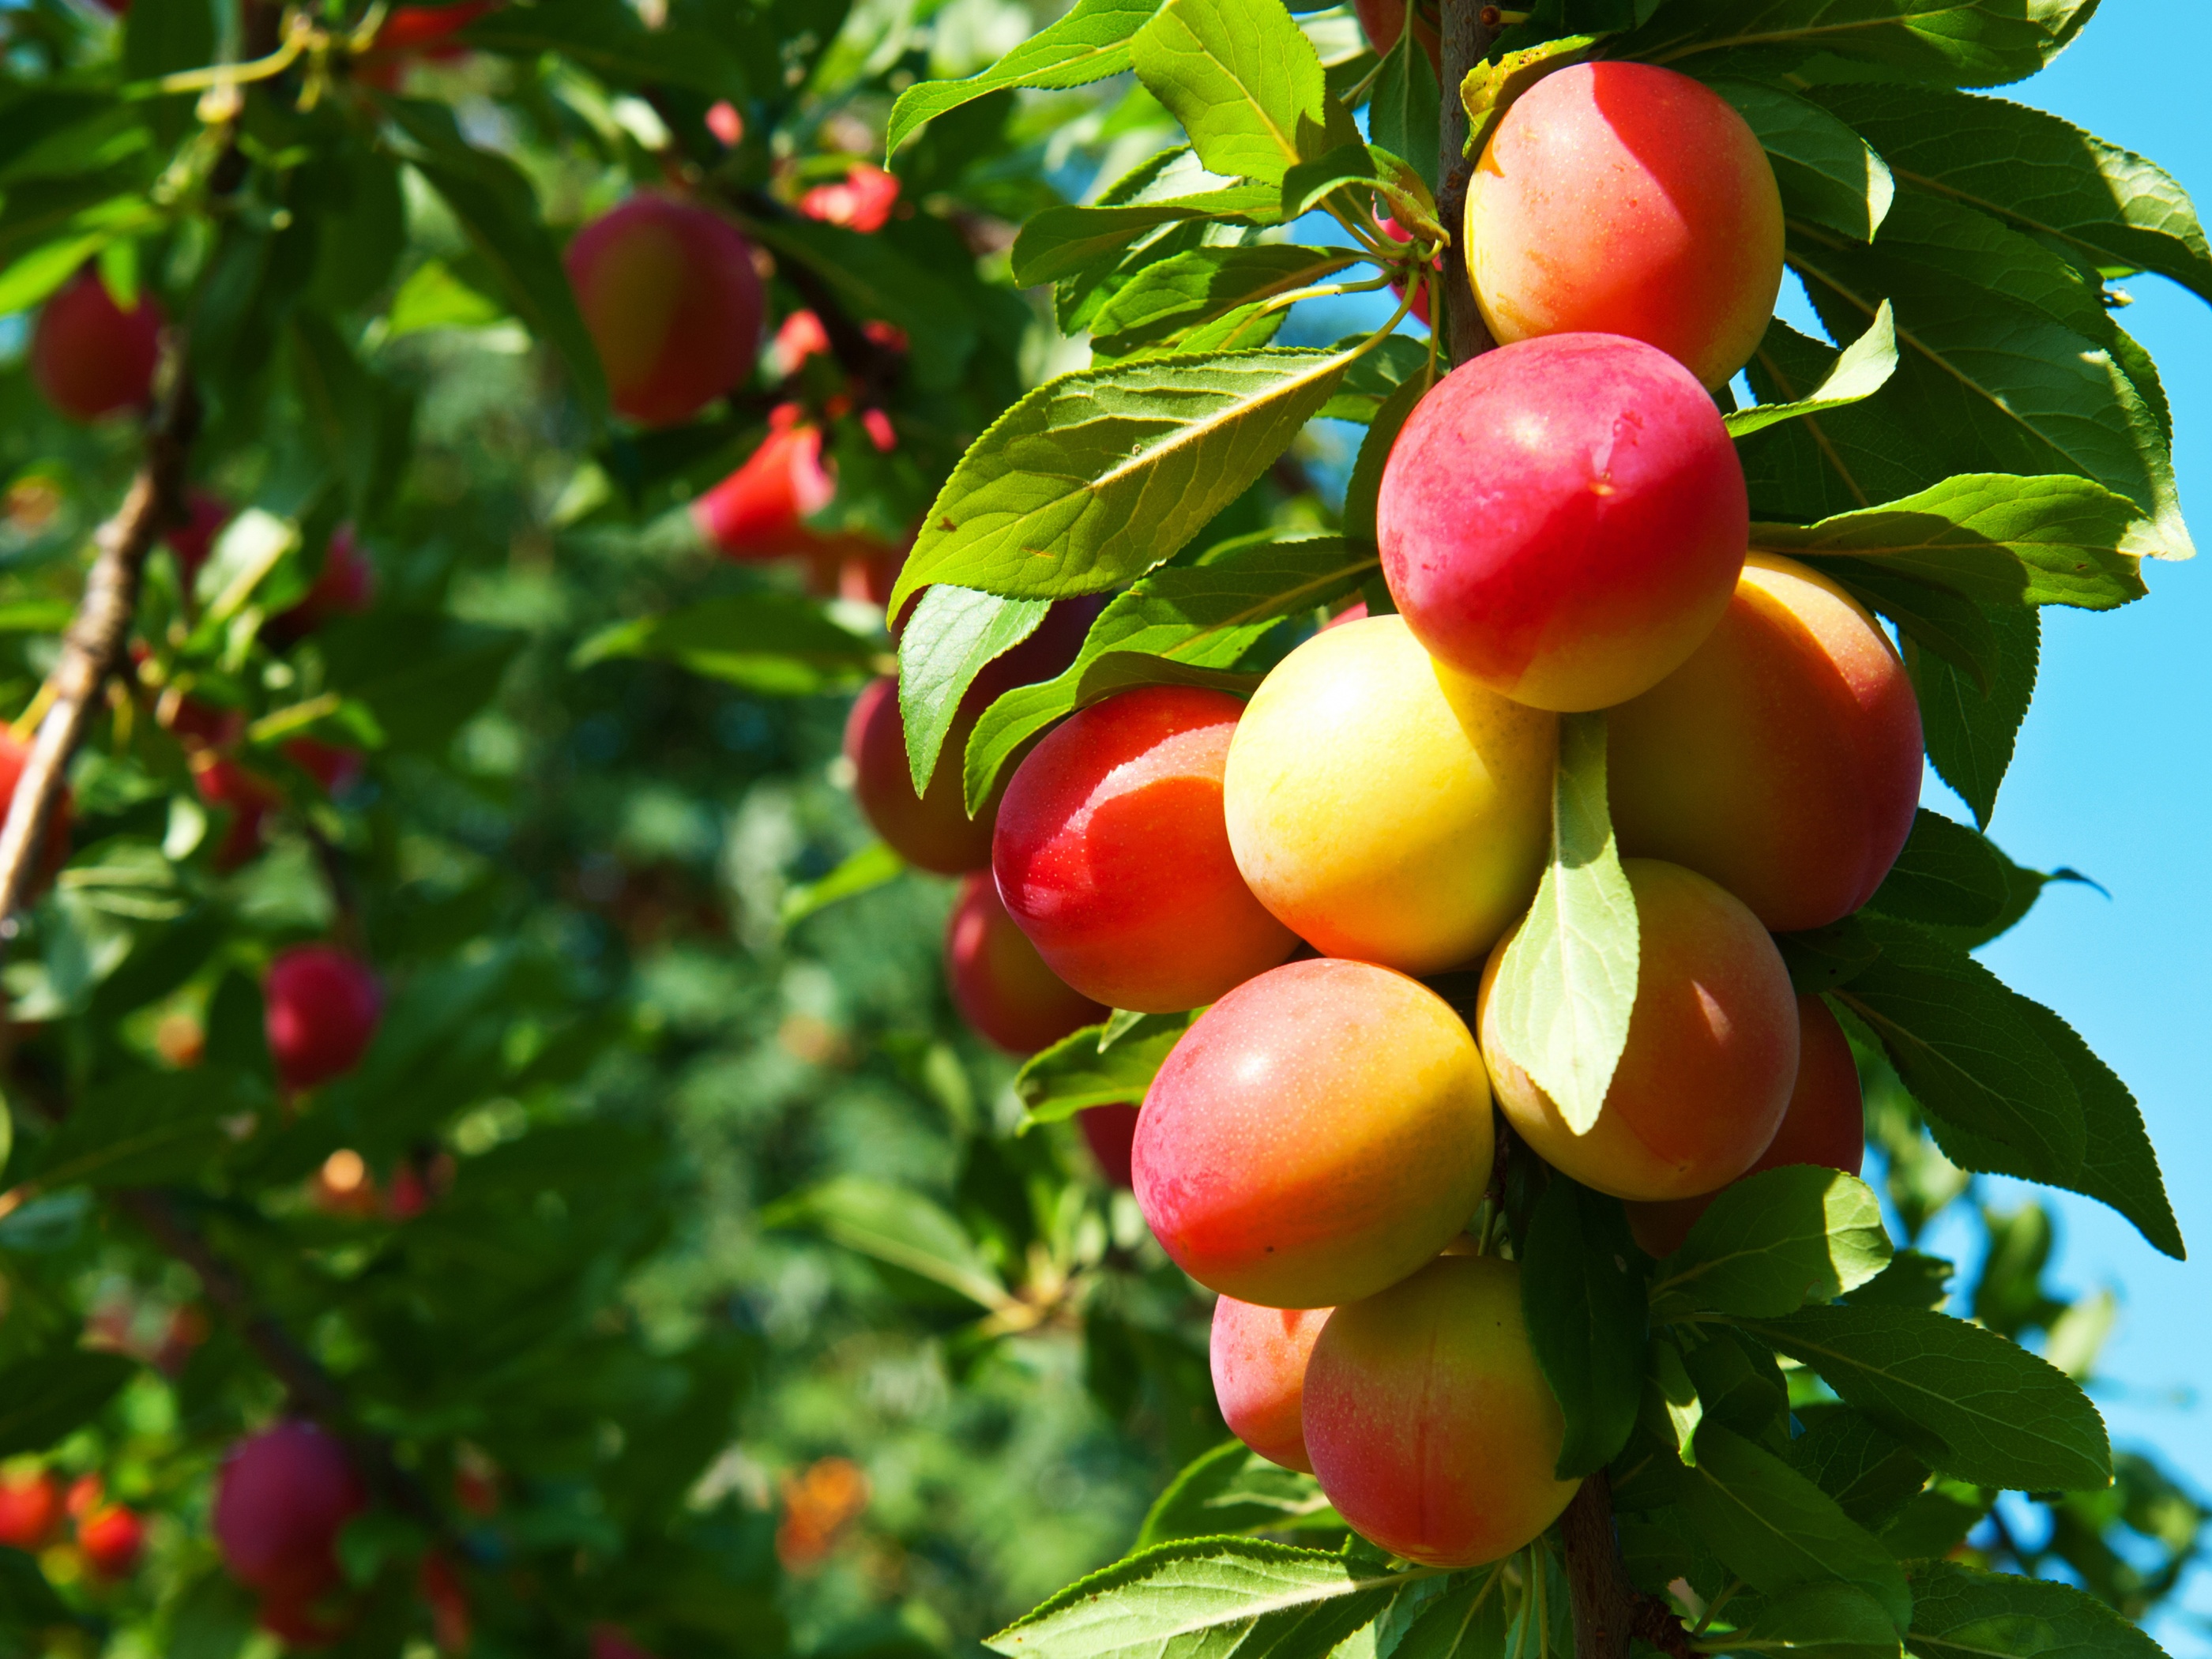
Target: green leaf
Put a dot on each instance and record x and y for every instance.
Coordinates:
(1947, 875)
(142, 1129)
(1244, 81)
(1403, 113)
(1970, 730)
(893, 1225)
(2119, 1166)
(44, 1399)
(1211, 1596)
(1083, 1070)
(1205, 615)
(1961, 1612)
(768, 641)
(1059, 241)
(1096, 477)
(1927, 615)
(954, 633)
(1365, 486)
(1089, 43)
(1232, 1489)
(1371, 381)
(864, 871)
(611, 43)
(1993, 382)
(1490, 87)
(1372, 170)
(1819, 1621)
(1674, 1395)
(342, 403)
(2043, 176)
(1563, 994)
(1866, 1470)
(1963, 1398)
(1583, 1296)
(1470, 1621)
(1998, 539)
(1943, 41)
(1861, 369)
(1779, 1531)
(1772, 1241)
(1963, 1046)
(1827, 172)
(495, 208)
(1168, 299)
(433, 297)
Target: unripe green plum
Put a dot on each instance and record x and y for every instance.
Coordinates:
(1825, 1123)
(1711, 1053)
(1564, 519)
(1385, 807)
(1259, 1357)
(669, 293)
(999, 981)
(1430, 1428)
(1319, 1133)
(1782, 759)
(1113, 855)
(1623, 198)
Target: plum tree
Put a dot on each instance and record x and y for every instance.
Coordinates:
(999, 981)
(1112, 853)
(1385, 807)
(1564, 519)
(1825, 1123)
(1782, 759)
(323, 1006)
(1317, 1135)
(282, 1498)
(1110, 1132)
(1429, 1427)
(1624, 198)
(932, 829)
(673, 302)
(1711, 1053)
(89, 356)
(1258, 1356)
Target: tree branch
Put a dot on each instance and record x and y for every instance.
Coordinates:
(1466, 38)
(93, 643)
(310, 1390)
(1604, 1601)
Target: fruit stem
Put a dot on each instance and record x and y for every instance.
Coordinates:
(1466, 38)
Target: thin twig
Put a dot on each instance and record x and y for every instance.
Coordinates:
(93, 643)
(311, 1390)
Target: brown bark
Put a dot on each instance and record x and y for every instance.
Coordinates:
(1467, 37)
(93, 643)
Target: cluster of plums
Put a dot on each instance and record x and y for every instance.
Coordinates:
(1564, 528)
(39, 1510)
